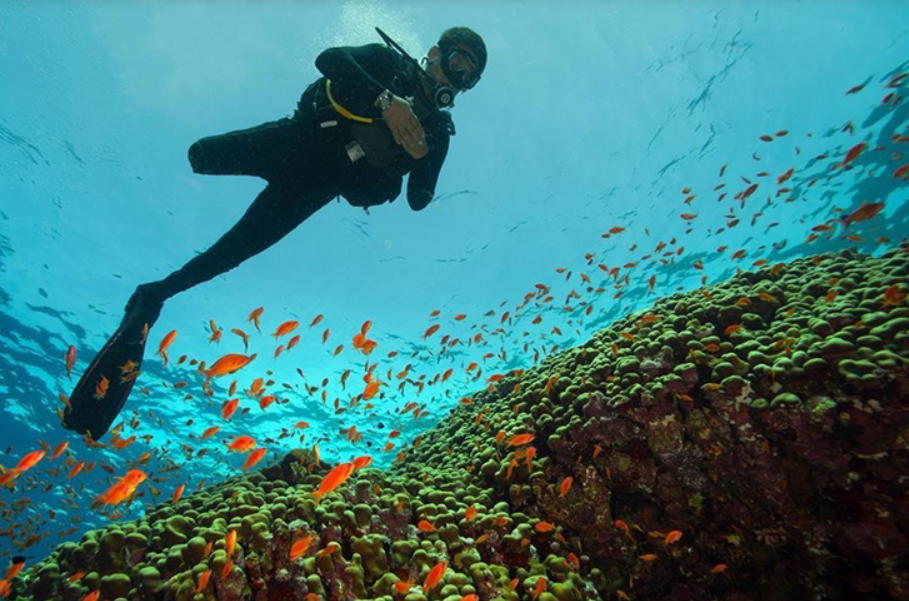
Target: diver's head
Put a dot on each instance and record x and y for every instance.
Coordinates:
(457, 61)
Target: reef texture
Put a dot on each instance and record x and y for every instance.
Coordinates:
(777, 448)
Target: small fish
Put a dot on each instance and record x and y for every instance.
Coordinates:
(543, 527)
(539, 588)
(894, 296)
(70, 360)
(242, 444)
(228, 364)
(333, 479)
(563, 488)
(165, 344)
(254, 317)
(425, 526)
(101, 388)
(229, 408)
(286, 328)
(209, 432)
(435, 575)
(853, 153)
(254, 458)
(203, 581)
(520, 439)
(300, 546)
(867, 211)
(673, 536)
(230, 543)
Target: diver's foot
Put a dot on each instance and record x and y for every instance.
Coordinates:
(144, 306)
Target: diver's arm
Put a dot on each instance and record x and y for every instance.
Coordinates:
(353, 65)
(421, 185)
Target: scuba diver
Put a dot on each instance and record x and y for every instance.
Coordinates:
(375, 115)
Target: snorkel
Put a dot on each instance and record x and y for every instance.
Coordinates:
(443, 96)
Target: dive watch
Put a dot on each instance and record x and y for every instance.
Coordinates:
(385, 100)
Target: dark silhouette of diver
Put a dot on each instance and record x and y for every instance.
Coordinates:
(374, 116)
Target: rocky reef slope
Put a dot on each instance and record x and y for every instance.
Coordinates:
(743, 441)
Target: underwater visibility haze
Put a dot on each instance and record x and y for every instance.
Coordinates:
(456, 301)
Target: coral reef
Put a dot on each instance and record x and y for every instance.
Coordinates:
(742, 441)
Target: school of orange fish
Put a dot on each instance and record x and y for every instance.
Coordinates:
(125, 490)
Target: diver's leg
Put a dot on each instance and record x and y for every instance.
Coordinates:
(261, 151)
(277, 211)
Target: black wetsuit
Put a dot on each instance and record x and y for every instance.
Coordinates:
(307, 165)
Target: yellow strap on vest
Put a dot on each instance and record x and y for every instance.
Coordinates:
(341, 109)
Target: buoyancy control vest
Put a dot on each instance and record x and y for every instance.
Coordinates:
(368, 163)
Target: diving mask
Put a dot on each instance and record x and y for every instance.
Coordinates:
(461, 69)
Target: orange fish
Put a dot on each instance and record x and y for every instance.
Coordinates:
(300, 546)
(718, 568)
(59, 450)
(688, 216)
(430, 331)
(867, 211)
(230, 543)
(228, 364)
(285, 328)
(254, 458)
(648, 557)
(179, 492)
(371, 389)
(325, 335)
(361, 462)
(335, 478)
(435, 575)
(203, 581)
(539, 588)
(70, 360)
(209, 432)
(732, 329)
(229, 408)
(470, 513)
(425, 526)
(893, 295)
(520, 439)
(244, 336)
(543, 527)
(101, 388)
(673, 536)
(254, 317)
(165, 344)
(28, 461)
(853, 154)
(215, 332)
(242, 444)
(563, 488)
(75, 470)
(316, 320)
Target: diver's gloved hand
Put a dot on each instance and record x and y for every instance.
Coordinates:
(406, 128)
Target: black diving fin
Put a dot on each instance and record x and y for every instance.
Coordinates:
(101, 392)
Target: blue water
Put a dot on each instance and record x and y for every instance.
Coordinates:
(590, 115)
